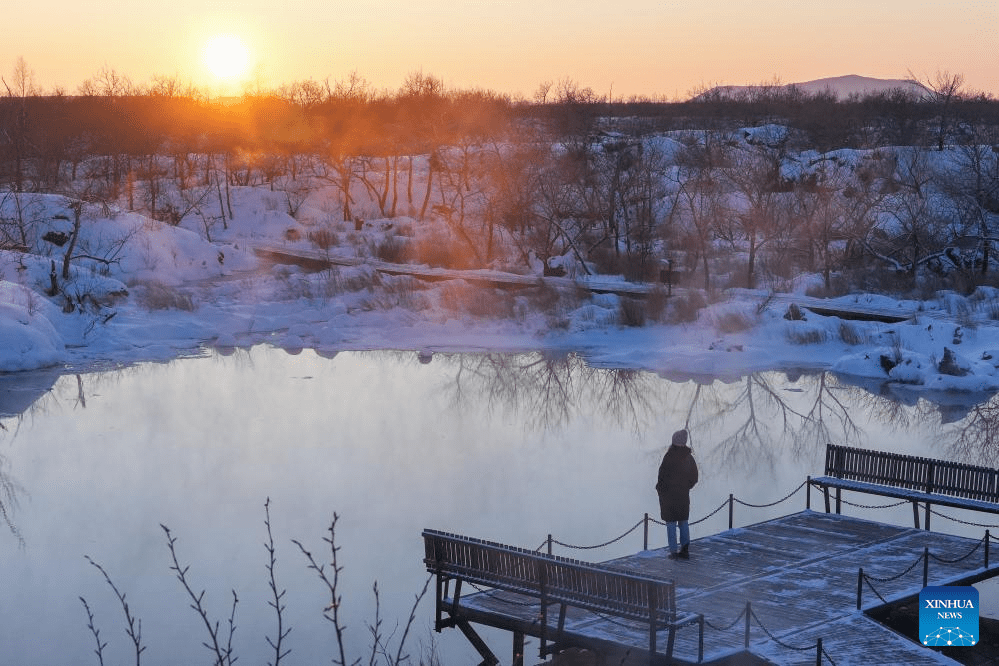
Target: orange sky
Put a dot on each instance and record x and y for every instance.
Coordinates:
(646, 47)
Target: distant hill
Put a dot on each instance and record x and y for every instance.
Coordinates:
(841, 86)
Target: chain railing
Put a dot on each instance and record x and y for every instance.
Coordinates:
(963, 522)
(863, 578)
(749, 616)
(647, 520)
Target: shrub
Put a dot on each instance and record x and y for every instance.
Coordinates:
(805, 335)
(687, 306)
(631, 312)
(393, 249)
(849, 334)
(439, 251)
(158, 296)
(733, 322)
(992, 308)
(656, 303)
(460, 297)
(324, 239)
(606, 261)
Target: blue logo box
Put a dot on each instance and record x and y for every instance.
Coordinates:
(948, 616)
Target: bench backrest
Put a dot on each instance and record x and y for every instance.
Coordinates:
(912, 472)
(560, 580)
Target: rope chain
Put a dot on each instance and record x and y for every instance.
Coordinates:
(777, 640)
(701, 520)
(873, 506)
(960, 559)
(963, 522)
(599, 545)
(726, 628)
(763, 506)
(893, 578)
(874, 589)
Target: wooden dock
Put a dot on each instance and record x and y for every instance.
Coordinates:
(799, 576)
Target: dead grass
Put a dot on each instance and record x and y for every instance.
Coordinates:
(158, 296)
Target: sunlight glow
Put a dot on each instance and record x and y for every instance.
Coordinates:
(227, 57)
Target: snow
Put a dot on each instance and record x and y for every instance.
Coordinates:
(152, 291)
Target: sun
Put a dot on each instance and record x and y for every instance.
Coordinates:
(227, 57)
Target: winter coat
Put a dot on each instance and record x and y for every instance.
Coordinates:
(677, 475)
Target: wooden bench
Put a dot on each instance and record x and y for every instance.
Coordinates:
(551, 580)
(910, 478)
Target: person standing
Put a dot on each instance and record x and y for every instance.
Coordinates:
(677, 475)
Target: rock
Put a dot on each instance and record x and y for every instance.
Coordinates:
(949, 366)
(794, 313)
(887, 364)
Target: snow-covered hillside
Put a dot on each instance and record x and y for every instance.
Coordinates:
(840, 87)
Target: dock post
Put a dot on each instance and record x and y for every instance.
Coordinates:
(549, 544)
(860, 586)
(731, 502)
(749, 613)
(808, 492)
(646, 542)
(518, 648)
(926, 565)
(988, 538)
(818, 653)
(928, 515)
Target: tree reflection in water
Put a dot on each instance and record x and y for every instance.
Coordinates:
(546, 391)
(25, 395)
(9, 490)
(768, 415)
(978, 436)
(763, 416)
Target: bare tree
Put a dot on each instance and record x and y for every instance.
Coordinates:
(19, 89)
(915, 225)
(945, 89)
(701, 206)
(756, 177)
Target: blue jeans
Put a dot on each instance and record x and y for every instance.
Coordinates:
(671, 535)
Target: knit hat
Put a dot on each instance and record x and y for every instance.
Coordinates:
(680, 438)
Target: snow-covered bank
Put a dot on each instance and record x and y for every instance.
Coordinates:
(158, 291)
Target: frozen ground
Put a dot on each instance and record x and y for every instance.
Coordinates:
(169, 292)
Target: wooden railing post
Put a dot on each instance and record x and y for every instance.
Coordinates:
(818, 653)
(988, 538)
(549, 544)
(731, 504)
(749, 613)
(808, 492)
(542, 573)
(860, 586)
(926, 565)
(651, 593)
(645, 544)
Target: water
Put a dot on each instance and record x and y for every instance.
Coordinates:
(505, 447)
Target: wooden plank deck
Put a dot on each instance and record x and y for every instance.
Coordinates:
(800, 574)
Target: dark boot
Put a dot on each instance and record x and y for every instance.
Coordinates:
(673, 556)
(684, 553)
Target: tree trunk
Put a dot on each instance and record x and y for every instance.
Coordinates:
(77, 214)
(430, 180)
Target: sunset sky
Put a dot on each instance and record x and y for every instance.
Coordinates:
(624, 47)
